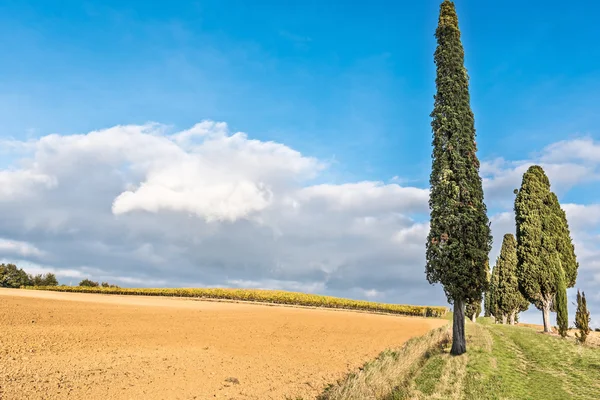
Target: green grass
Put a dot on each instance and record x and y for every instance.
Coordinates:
(525, 364)
(502, 362)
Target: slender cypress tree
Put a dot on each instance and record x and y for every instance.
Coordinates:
(459, 239)
(487, 306)
(487, 312)
(582, 318)
(496, 312)
(509, 300)
(562, 313)
(543, 242)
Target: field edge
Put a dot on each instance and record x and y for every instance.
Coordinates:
(261, 296)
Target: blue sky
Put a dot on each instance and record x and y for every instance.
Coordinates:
(348, 83)
(343, 78)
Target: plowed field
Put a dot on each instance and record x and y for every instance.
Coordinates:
(87, 346)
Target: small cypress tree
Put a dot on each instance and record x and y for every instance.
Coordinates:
(459, 239)
(582, 318)
(486, 299)
(562, 313)
(492, 290)
(509, 300)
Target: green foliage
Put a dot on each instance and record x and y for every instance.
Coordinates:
(582, 318)
(459, 239)
(562, 313)
(561, 243)
(487, 307)
(507, 297)
(88, 283)
(487, 312)
(542, 233)
(492, 294)
(536, 282)
(473, 308)
(13, 277)
(48, 279)
(107, 285)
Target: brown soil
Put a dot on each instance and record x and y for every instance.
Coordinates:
(88, 346)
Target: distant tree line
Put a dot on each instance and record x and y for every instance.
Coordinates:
(13, 277)
(90, 283)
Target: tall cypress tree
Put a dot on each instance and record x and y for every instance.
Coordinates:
(543, 242)
(459, 239)
(582, 318)
(509, 300)
(562, 313)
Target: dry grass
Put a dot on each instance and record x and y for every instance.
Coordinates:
(388, 376)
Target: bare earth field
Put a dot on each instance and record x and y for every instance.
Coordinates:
(87, 346)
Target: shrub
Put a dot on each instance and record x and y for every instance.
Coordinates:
(48, 279)
(88, 283)
(13, 277)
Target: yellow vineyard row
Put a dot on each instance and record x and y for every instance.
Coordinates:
(264, 296)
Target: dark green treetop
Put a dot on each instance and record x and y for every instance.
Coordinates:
(459, 240)
(537, 281)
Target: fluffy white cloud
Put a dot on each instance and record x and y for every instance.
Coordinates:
(18, 248)
(141, 206)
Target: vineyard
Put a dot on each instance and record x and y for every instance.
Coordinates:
(262, 296)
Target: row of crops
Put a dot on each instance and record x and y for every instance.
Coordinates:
(258, 295)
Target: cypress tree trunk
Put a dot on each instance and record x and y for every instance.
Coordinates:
(546, 315)
(473, 318)
(512, 317)
(504, 319)
(459, 342)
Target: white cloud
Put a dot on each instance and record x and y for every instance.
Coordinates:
(583, 149)
(18, 248)
(139, 205)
